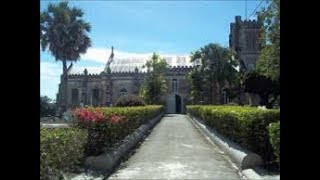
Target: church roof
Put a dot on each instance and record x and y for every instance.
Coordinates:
(129, 64)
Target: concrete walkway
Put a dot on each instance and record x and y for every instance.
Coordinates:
(175, 149)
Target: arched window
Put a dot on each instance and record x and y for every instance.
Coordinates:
(174, 85)
(95, 97)
(75, 96)
(123, 92)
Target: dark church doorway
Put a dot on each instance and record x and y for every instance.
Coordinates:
(178, 104)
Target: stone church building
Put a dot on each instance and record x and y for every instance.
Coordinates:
(102, 87)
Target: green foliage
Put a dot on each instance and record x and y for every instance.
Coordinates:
(114, 125)
(246, 126)
(154, 86)
(63, 31)
(265, 87)
(269, 60)
(61, 149)
(231, 94)
(274, 133)
(216, 67)
(47, 108)
(130, 100)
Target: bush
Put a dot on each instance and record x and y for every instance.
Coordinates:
(60, 150)
(130, 100)
(246, 126)
(109, 125)
(274, 133)
(47, 108)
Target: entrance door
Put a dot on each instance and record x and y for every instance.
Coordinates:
(178, 104)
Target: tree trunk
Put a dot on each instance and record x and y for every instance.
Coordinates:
(239, 95)
(214, 93)
(65, 84)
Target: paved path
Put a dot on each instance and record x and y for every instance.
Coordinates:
(175, 149)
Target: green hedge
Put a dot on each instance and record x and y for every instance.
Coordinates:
(274, 133)
(246, 126)
(136, 115)
(60, 150)
(109, 125)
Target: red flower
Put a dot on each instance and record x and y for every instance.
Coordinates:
(114, 118)
(89, 115)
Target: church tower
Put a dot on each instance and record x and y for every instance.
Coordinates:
(244, 40)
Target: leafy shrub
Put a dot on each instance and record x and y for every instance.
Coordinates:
(130, 100)
(246, 126)
(274, 133)
(109, 125)
(47, 108)
(60, 150)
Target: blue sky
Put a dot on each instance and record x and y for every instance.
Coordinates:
(140, 27)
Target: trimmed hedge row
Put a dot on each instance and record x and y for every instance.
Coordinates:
(136, 115)
(246, 126)
(60, 150)
(274, 133)
(109, 125)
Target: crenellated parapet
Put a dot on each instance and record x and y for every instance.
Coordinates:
(247, 23)
(84, 75)
(181, 67)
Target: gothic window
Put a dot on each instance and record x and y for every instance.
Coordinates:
(95, 97)
(108, 97)
(74, 96)
(174, 85)
(84, 98)
(251, 66)
(123, 92)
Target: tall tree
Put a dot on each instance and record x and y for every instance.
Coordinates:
(216, 67)
(155, 84)
(269, 60)
(47, 107)
(64, 33)
(265, 87)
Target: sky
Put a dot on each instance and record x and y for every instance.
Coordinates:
(136, 28)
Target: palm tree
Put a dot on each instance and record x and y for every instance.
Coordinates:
(64, 33)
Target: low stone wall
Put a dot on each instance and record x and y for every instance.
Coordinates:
(110, 159)
(248, 162)
(243, 158)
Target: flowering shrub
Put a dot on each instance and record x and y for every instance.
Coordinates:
(115, 118)
(108, 125)
(246, 126)
(87, 115)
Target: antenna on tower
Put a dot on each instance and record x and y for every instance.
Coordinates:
(246, 9)
(107, 68)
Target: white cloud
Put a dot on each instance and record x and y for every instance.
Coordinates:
(50, 78)
(49, 70)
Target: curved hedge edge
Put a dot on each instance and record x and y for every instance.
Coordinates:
(253, 174)
(108, 161)
(243, 158)
(274, 137)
